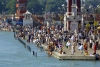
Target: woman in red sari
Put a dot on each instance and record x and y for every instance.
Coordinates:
(95, 48)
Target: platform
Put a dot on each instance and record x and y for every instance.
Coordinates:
(77, 55)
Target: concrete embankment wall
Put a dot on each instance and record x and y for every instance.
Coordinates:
(25, 45)
(57, 54)
(72, 57)
(69, 57)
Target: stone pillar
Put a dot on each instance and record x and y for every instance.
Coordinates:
(68, 25)
(73, 10)
(65, 23)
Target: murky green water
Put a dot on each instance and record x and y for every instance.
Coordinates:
(13, 54)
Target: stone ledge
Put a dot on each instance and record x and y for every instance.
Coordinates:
(72, 57)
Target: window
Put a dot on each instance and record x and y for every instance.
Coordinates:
(74, 1)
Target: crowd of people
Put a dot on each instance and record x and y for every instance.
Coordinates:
(5, 26)
(56, 39)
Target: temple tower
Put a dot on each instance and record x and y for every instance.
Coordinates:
(21, 9)
(72, 18)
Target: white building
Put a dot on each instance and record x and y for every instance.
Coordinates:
(27, 20)
(72, 18)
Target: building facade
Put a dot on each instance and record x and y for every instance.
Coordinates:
(20, 9)
(72, 18)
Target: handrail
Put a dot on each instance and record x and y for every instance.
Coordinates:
(26, 46)
(35, 18)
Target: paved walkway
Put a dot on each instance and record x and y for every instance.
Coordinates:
(77, 52)
(77, 55)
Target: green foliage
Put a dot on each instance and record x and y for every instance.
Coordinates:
(94, 3)
(11, 6)
(0, 7)
(34, 6)
(41, 6)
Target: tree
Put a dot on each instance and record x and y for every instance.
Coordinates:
(11, 6)
(94, 3)
(34, 6)
(52, 5)
(38, 6)
(2, 6)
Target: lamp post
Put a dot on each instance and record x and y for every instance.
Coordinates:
(32, 11)
(59, 14)
(59, 9)
(63, 6)
(95, 21)
(65, 19)
(2, 9)
(85, 12)
(64, 16)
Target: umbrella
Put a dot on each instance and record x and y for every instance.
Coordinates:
(98, 27)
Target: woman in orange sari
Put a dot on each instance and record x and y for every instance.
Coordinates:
(85, 48)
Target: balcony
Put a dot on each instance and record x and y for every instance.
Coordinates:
(92, 18)
(22, 1)
(22, 11)
(72, 14)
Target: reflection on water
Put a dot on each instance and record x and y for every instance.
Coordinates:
(13, 54)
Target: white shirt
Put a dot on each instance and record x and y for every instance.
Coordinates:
(91, 41)
(81, 47)
(68, 44)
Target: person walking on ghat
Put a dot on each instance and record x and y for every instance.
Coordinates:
(85, 47)
(68, 44)
(94, 48)
(72, 50)
(91, 42)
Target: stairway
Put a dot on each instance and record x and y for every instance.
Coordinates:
(36, 21)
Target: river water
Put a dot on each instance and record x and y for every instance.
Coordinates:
(13, 54)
